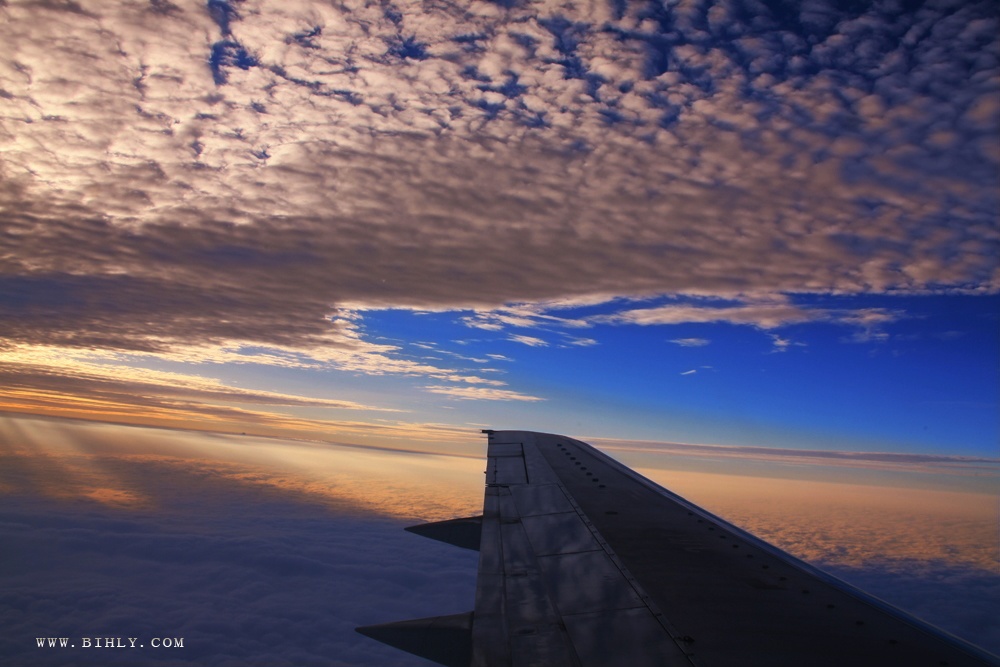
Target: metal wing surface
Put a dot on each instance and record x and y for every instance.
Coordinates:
(584, 562)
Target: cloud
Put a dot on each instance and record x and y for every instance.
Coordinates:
(927, 552)
(533, 315)
(781, 343)
(245, 566)
(963, 472)
(691, 372)
(271, 551)
(481, 393)
(84, 374)
(835, 522)
(766, 313)
(530, 341)
(690, 342)
(238, 182)
(923, 551)
(98, 385)
(956, 599)
(581, 342)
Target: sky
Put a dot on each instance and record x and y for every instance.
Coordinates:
(759, 237)
(735, 223)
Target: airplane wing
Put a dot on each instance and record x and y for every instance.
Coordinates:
(584, 562)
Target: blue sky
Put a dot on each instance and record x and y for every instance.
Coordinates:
(737, 223)
(926, 383)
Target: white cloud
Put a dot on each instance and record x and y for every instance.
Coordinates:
(530, 315)
(766, 313)
(690, 342)
(780, 343)
(481, 393)
(582, 342)
(531, 341)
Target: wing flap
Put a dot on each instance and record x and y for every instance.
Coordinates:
(622, 638)
(504, 470)
(536, 499)
(558, 534)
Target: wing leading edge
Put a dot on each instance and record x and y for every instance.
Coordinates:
(584, 562)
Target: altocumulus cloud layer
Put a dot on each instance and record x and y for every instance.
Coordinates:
(185, 174)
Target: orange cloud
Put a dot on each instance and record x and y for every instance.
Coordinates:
(849, 524)
(114, 465)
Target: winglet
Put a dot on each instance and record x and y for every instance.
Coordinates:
(446, 640)
(463, 532)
